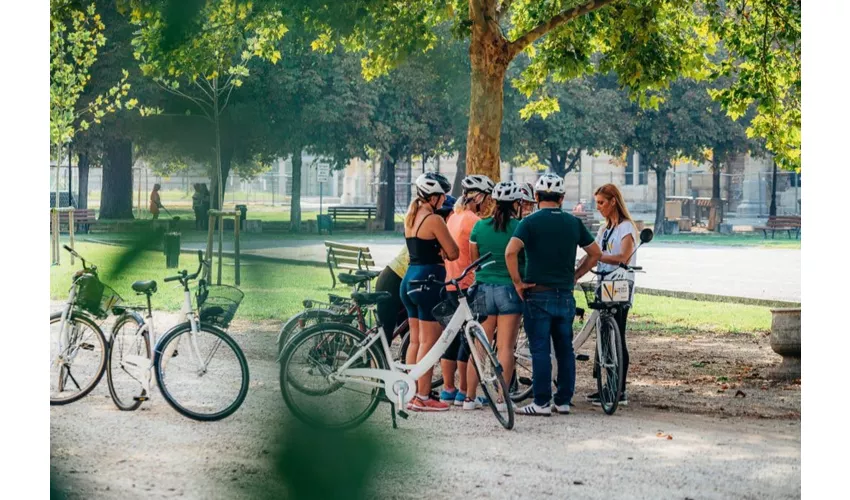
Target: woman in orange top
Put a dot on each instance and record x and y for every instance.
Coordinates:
(475, 203)
(155, 203)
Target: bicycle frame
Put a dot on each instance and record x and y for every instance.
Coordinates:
(400, 379)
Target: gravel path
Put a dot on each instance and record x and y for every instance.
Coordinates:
(100, 452)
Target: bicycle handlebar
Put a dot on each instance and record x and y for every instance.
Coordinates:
(184, 275)
(476, 264)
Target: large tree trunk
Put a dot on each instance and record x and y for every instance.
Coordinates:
(83, 182)
(460, 173)
(116, 199)
(660, 197)
(489, 57)
(295, 203)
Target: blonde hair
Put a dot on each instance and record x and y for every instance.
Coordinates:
(411, 212)
(485, 209)
(611, 191)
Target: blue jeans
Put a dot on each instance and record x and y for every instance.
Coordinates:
(548, 315)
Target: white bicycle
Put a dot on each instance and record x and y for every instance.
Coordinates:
(77, 345)
(200, 370)
(333, 375)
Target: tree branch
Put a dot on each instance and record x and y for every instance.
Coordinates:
(476, 13)
(503, 8)
(572, 164)
(564, 17)
(186, 96)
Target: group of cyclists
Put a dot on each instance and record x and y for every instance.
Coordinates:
(531, 279)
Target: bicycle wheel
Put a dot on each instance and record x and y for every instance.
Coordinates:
(490, 377)
(609, 352)
(306, 319)
(75, 368)
(306, 364)
(436, 378)
(202, 375)
(521, 381)
(125, 384)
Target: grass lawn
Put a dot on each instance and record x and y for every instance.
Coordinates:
(275, 291)
(735, 240)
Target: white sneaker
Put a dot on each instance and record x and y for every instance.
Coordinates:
(500, 407)
(563, 409)
(471, 405)
(534, 410)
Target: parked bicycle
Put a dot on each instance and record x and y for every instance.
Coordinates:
(345, 310)
(327, 369)
(200, 370)
(78, 346)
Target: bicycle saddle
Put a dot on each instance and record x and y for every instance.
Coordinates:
(368, 299)
(354, 279)
(144, 286)
(370, 274)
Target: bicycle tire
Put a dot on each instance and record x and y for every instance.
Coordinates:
(305, 319)
(609, 357)
(63, 373)
(165, 356)
(436, 378)
(139, 345)
(316, 363)
(490, 376)
(521, 387)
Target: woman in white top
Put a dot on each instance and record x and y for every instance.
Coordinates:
(617, 239)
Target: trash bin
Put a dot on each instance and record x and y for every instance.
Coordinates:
(243, 215)
(324, 222)
(172, 249)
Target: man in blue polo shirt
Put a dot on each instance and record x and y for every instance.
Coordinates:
(550, 238)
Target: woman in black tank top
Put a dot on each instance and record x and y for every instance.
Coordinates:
(428, 242)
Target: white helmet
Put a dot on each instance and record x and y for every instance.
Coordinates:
(550, 183)
(477, 183)
(432, 183)
(527, 191)
(507, 191)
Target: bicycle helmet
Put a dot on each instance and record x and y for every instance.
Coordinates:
(550, 183)
(527, 191)
(507, 191)
(477, 183)
(431, 183)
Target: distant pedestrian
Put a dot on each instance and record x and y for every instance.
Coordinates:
(155, 203)
(197, 205)
(205, 206)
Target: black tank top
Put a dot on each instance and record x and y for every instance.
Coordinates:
(423, 252)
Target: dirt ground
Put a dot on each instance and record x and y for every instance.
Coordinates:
(687, 433)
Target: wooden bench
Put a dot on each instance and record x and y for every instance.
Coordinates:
(353, 212)
(83, 219)
(357, 260)
(781, 223)
(589, 222)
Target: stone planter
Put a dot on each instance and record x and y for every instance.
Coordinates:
(785, 341)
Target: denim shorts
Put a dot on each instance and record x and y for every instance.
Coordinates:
(498, 299)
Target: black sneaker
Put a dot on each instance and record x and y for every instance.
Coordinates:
(592, 398)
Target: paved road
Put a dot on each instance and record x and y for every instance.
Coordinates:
(98, 451)
(751, 272)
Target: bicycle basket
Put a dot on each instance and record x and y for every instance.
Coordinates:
(95, 297)
(444, 311)
(608, 292)
(217, 304)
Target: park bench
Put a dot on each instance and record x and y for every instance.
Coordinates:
(781, 223)
(589, 221)
(83, 219)
(357, 260)
(353, 212)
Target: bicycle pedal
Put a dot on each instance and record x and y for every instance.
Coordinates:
(141, 399)
(582, 357)
(525, 381)
(86, 346)
(403, 414)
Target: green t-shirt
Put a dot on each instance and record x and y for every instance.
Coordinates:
(485, 236)
(550, 237)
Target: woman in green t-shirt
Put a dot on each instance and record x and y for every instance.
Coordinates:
(497, 297)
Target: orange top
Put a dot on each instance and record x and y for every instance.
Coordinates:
(460, 226)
